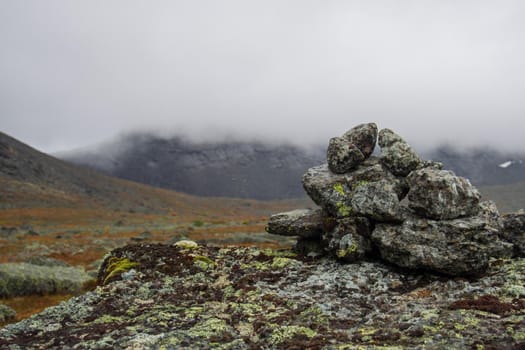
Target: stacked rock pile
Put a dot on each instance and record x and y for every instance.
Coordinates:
(396, 206)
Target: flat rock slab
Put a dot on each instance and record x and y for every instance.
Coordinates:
(305, 223)
(17, 279)
(247, 298)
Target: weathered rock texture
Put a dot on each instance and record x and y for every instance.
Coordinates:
(397, 154)
(440, 194)
(418, 216)
(245, 298)
(346, 152)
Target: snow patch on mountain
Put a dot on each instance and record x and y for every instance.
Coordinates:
(508, 163)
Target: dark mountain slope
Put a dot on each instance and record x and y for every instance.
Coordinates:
(30, 179)
(483, 166)
(232, 169)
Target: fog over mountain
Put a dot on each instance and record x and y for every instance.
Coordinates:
(78, 73)
(254, 169)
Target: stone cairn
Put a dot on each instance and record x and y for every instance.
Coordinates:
(398, 207)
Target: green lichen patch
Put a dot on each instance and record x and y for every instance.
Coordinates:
(282, 334)
(343, 210)
(117, 266)
(339, 189)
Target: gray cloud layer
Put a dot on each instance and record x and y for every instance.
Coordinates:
(75, 73)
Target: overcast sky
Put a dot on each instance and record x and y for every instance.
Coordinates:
(75, 73)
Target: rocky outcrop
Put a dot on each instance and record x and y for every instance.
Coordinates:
(199, 297)
(417, 215)
(18, 279)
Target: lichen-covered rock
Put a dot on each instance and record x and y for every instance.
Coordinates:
(514, 231)
(265, 299)
(440, 194)
(377, 200)
(6, 314)
(305, 223)
(453, 247)
(349, 240)
(396, 153)
(342, 155)
(18, 279)
(334, 192)
(364, 136)
(328, 190)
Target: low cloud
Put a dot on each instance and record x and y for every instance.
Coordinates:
(78, 73)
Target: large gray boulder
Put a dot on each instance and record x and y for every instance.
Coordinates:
(305, 223)
(17, 279)
(440, 194)
(377, 200)
(514, 231)
(453, 247)
(396, 153)
(334, 192)
(349, 240)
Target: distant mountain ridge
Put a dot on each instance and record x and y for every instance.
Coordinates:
(482, 166)
(231, 169)
(261, 171)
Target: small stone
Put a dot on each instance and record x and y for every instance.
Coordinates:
(305, 223)
(440, 194)
(364, 136)
(342, 155)
(186, 244)
(396, 153)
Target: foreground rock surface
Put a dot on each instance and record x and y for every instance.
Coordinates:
(173, 297)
